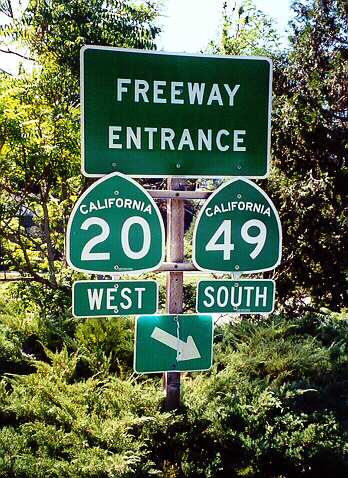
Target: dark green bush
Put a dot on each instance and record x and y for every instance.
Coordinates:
(53, 426)
(273, 406)
(106, 344)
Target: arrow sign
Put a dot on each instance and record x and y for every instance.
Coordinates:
(185, 350)
(166, 343)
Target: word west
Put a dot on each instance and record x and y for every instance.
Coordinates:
(125, 298)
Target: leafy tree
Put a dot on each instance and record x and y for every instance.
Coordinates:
(57, 29)
(38, 160)
(245, 31)
(39, 121)
(310, 152)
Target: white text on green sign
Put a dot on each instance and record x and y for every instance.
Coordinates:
(159, 114)
(237, 230)
(115, 226)
(114, 298)
(254, 296)
(167, 343)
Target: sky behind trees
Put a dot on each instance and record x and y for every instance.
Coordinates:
(187, 26)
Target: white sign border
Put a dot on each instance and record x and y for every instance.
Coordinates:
(200, 214)
(151, 52)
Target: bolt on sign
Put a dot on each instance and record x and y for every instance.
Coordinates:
(115, 226)
(247, 296)
(154, 114)
(114, 298)
(237, 230)
(168, 343)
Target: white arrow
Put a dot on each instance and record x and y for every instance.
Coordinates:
(186, 350)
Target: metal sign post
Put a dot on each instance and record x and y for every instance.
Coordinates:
(175, 280)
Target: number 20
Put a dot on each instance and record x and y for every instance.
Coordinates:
(88, 255)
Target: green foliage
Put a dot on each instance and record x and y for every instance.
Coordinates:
(39, 122)
(310, 151)
(16, 328)
(53, 426)
(55, 29)
(245, 31)
(106, 344)
(38, 158)
(309, 142)
(273, 405)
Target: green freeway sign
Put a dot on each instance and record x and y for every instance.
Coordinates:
(154, 114)
(254, 296)
(237, 230)
(167, 343)
(115, 226)
(112, 298)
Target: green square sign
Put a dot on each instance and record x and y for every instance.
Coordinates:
(154, 114)
(168, 343)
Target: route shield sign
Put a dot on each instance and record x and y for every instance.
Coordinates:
(155, 114)
(254, 296)
(113, 298)
(237, 230)
(115, 226)
(167, 343)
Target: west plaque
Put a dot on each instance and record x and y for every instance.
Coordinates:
(104, 298)
(156, 114)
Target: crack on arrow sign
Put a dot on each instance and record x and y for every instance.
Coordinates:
(185, 350)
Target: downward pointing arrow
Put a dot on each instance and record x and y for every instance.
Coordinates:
(186, 350)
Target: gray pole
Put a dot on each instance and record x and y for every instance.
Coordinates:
(175, 293)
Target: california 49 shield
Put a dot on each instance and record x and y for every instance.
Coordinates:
(237, 230)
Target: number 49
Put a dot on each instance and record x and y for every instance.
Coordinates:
(227, 246)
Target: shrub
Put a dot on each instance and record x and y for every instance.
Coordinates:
(54, 426)
(106, 344)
